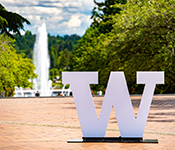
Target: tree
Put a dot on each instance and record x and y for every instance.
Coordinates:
(11, 22)
(53, 57)
(14, 69)
(24, 44)
(102, 14)
(90, 54)
(53, 73)
(63, 60)
(143, 40)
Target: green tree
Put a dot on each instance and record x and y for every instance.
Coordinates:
(14, 69)
(53, 73)
(25, 44)
(11, 22)
(53, 56)
(91, 53)
(102, 14)
(63, 60)
(143, 40)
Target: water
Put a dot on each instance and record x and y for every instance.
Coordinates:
(42, 62)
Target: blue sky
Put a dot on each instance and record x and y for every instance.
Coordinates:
(61, 16)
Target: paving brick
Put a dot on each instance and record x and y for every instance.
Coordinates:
(47, 123)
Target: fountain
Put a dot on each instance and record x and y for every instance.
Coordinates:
(42, 64)
(42, 61)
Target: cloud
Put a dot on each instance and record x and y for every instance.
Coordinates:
(74, 21)
(61, 16)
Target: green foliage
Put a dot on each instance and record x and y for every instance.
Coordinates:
(11, 22)
(25, 44)
(102, 14)
(142, 39)
(53, 73)
(14, 69)
(53, 56)
(90, 55)
(64, 58)
(58, 44)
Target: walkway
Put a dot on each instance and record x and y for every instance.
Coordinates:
(47, 124)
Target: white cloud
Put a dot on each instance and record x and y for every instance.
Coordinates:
(61, 16)
(74, 21)
(22, 32)
(19, 2)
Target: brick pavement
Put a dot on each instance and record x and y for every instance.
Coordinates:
(47, 123)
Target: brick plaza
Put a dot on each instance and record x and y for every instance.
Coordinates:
(47, 124)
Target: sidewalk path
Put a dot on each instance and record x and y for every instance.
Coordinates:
(47, 124)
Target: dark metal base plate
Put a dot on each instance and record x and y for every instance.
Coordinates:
(112, 140)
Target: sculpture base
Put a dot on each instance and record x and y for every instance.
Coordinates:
(112, 140)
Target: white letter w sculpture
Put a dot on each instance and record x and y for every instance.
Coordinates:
(117, 96)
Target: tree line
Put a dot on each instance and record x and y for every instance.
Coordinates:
(57, 46)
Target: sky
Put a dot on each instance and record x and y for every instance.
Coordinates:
(61, 16)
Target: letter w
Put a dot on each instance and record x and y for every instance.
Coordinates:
(117, 96)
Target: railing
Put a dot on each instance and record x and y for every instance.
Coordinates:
(31, 93)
